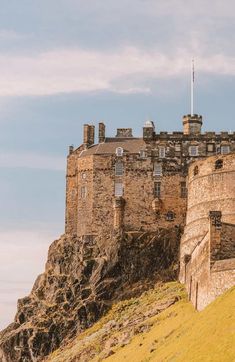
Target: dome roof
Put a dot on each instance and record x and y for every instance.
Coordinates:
(149, 124)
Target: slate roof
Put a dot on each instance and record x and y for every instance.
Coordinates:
(129, 145)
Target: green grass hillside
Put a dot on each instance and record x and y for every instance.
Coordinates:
(161, 325)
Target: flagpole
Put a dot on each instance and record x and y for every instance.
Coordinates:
(192, 88)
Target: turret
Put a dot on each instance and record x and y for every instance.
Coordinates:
(148, 131)
(192, 124)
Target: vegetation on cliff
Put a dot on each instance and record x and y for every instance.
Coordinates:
(161, 325)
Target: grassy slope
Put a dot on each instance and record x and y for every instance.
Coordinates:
(182, 334)
(138, 330)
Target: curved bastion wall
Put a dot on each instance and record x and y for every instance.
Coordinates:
(211, 187)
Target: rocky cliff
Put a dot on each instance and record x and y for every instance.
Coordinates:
(82, 279)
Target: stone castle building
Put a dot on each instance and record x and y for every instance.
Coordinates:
(182, 179)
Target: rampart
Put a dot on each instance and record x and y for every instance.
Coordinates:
(207, 256)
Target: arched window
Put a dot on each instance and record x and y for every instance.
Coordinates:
(218, 164)
(170, 216)
(119, 151)
(196, 170)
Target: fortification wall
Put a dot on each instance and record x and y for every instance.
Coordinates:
(207, 264)
(208, 189)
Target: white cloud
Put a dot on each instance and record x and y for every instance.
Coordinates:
(33, 161)
(77, 70)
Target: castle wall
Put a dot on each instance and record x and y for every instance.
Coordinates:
(71, 196)
(207, 255)
(210, 189)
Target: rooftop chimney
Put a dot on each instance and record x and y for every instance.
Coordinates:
(101, 132)
(88, 135)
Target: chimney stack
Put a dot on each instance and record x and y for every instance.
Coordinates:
(88, 135)
(101, 132)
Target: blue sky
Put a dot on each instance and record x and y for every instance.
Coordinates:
(64, 63)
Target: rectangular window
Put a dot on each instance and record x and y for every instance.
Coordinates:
(162, 152)
(119, 169)
(143, 154)
(183, 189)
(83, 192)
(225, 149)
(157, 189)
(157, 170)
(177, 148)
(210, 147)
(118, 189)
(193, 150)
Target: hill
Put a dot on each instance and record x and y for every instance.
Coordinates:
(160, 325)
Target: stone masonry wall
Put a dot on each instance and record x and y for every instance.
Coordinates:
(208, 244)
(142, 209)
(208, 189)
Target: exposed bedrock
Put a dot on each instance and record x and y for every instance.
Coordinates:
(82, 278)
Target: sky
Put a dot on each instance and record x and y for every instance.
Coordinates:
(64, 63)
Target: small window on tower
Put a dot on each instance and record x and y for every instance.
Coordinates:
(157, 189)
(157, 170)
(170, 216)
(119, 169)
(162, 152)
(193, 151)
(118, 189)
(119, 151)
(195, 170)
(83, 192)
(183, 189)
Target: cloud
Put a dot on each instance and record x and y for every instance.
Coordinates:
(78, 70)
(33, 161)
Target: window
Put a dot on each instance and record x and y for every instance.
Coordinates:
(157, 189)
(143, 154)
(195, 170)
(170, 216)
(177, 148)
(193, 150)
(218, 164)
(119, 151)
(210, 147)
(157, 170)
(217, 150)
(118, 189)
(225, 149)
(162, 152)
(119, 169)
(83, 192)
(183, 189)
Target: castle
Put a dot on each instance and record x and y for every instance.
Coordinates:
(182, 179)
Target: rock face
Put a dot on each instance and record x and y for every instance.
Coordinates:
(83, 277)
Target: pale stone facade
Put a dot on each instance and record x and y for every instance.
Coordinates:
(125, 184)
(207, 257)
